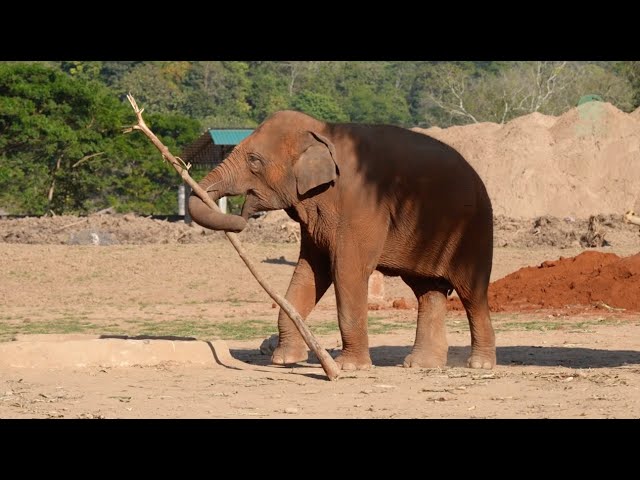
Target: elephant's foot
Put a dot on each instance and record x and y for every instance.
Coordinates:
(288, 353)
(482, 358)
(426, 359)
(347, 361)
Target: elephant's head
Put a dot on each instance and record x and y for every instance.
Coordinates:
(282, 162)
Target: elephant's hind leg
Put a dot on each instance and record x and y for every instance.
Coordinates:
(483, 341)
(471, 272)
(430, 348)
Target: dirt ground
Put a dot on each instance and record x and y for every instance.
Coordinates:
(550, 364)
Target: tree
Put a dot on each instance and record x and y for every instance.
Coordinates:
(320, 77)
(87, 70)
(269, 90)
(50, 127)
(449, 92)
(157, 85)
(112, 72)
(62, 149)
(139, 181)
(459, 94)
(631, 72)
(320, 106)
(591, 78)
(367, 106)
(218, 94)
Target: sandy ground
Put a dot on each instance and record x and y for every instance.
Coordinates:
(550, 365)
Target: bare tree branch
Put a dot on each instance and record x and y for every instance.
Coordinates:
(85, 158)
(458, 95)
(505, 110)
(53, 179)
(447, 91)
(295, 69)
(550, 85)
(293, 75)
(522, 88)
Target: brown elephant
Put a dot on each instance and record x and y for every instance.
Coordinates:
(367, 197)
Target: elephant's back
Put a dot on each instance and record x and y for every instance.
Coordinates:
(391, 148)
(396, 165)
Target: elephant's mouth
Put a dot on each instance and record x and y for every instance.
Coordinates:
(250, 205)
(254, 203)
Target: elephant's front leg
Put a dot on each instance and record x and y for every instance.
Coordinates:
(351, 284)
(310, 281)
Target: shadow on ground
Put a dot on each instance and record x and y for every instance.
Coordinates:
(150, 337)
(571, 357)
(280, 261)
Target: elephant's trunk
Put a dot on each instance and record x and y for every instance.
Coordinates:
(216, 185)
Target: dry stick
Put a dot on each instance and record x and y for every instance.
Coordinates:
(99, 212)
(328, 364)
(71, 224)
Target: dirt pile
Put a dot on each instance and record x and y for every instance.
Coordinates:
(110, 229)
(590, 278)
(584, 162)
(277, 227)
(568, 232)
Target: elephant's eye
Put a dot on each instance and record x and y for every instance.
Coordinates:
(255, 162)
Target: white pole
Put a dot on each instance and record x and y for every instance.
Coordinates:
(222, 203)
(181, 200)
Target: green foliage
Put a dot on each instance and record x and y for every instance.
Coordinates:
(368, 106)
(63, 151)
(320, 106)
(84, 70)
(157, 85)
(112, 72)
(142, 182)
(234, 204)
(218, 93)
(268, 91)
(631, 72)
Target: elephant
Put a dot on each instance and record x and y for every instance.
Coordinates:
(367, 197)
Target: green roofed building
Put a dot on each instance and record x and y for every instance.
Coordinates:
(213, 146)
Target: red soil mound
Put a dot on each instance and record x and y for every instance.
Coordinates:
(590, 279)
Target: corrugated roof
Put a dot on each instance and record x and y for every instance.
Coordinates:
(229, 136)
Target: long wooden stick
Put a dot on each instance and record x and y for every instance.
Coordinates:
(328, 364)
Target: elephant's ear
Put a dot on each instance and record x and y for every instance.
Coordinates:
(316, 166)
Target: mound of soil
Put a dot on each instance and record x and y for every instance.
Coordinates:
(591, 278)
(109, 229)
(277, 227)
(568, 232)
(583, 162)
